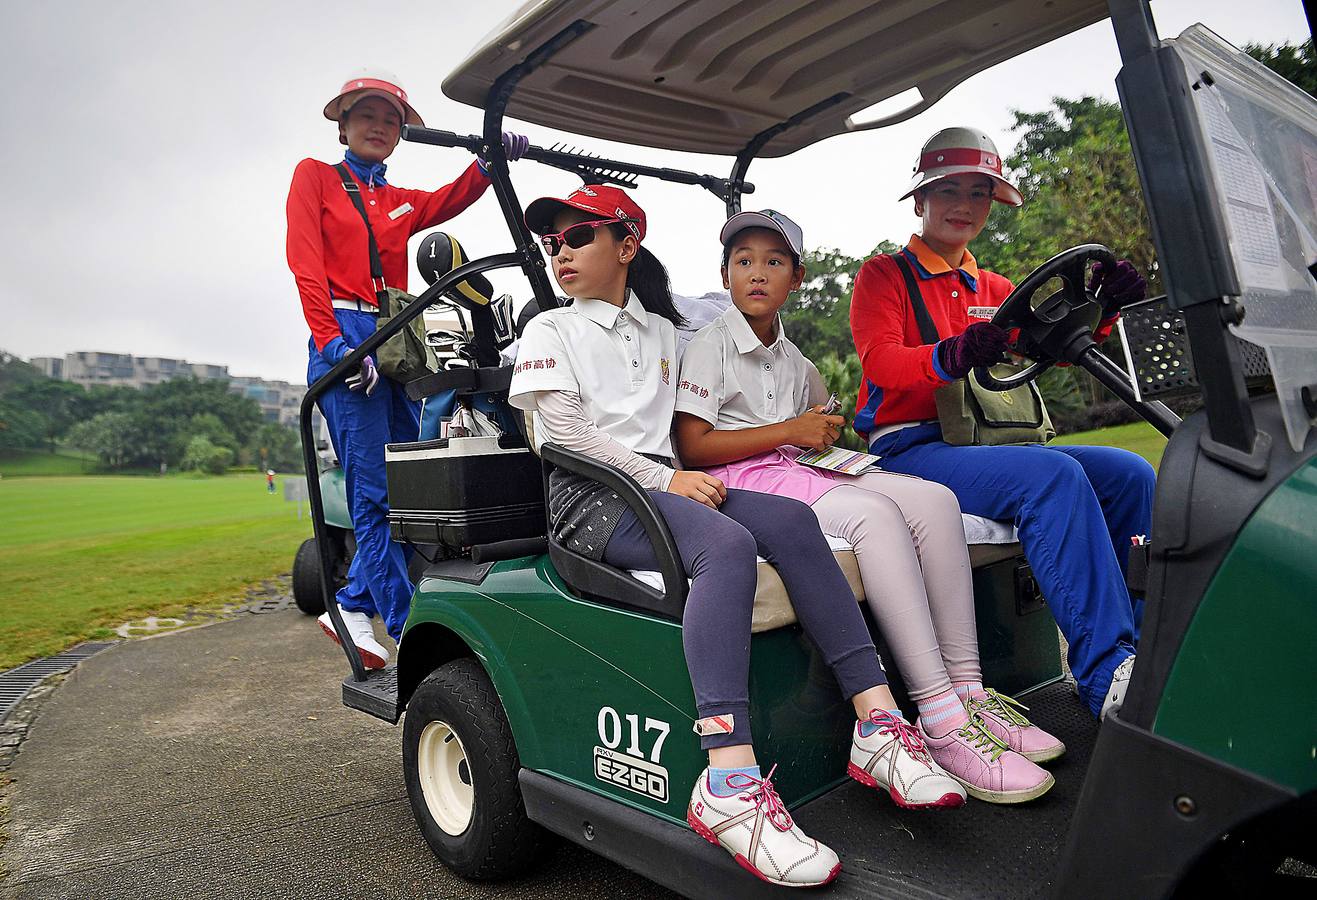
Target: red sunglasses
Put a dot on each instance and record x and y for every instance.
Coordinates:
(578, 235)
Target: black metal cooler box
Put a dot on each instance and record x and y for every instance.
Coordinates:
(463, 491)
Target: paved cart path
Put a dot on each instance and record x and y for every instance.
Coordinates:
(219, 762)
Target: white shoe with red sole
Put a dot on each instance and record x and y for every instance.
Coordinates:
(374, 655)
(894, 759)
(756, 829)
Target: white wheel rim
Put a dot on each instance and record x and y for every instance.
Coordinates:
(445, 777)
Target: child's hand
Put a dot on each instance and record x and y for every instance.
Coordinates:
(816, 431)
(698, 486)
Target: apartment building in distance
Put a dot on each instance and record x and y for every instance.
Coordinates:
(279, 400)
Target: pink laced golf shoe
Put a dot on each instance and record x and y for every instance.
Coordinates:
(1004, 717)
(986, 766)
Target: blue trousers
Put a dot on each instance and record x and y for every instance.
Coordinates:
(1076, 509)
(359, 427)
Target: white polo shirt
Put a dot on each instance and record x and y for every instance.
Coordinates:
(622, 362)
(732, 381)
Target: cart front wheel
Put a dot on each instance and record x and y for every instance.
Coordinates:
(460, 765)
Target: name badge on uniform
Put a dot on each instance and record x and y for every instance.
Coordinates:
(982, 312)
(401, 211)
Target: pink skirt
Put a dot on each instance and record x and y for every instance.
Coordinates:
(777, 472)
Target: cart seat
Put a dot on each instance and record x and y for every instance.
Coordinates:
(989, 541)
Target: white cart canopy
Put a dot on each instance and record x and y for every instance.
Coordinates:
(708, 75)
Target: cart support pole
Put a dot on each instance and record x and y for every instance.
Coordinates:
(496, 161)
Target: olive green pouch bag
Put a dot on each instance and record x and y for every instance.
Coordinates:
(970, 414)
(407, 355)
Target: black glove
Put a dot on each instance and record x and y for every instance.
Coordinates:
(981, 344)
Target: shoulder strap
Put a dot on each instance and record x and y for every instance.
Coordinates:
(376, 267)
(927, 330)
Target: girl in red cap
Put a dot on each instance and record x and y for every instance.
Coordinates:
(1076, 508)
(338, 214)
(598, 376)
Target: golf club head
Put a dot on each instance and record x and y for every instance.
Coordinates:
(438, 255)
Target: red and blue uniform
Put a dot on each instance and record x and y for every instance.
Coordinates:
(328, 253)
(1076, 508)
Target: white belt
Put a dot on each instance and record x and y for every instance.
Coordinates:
(889, 429)
(359, 305)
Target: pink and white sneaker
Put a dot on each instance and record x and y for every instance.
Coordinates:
(756, 829)
(986, 766)
(1002, 716)
(894, 759)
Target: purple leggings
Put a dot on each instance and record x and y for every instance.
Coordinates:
(718, 552)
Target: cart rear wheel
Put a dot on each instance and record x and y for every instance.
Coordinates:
(460, 764)
(306, 579)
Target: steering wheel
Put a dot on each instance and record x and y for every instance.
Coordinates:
(1056, 322)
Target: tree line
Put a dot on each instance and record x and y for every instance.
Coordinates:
(183, 423)
(1074, 165)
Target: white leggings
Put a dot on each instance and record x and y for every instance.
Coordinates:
(910, 545)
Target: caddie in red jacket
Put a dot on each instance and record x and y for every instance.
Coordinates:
(1076, 508)
(328, 252)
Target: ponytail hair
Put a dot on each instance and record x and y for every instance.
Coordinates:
(647, 278)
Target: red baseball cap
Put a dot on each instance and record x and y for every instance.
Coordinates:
(601, 200)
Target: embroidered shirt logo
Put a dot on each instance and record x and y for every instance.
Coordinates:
(663, 367)
(526, 364)
(982, 312)
(694, 388)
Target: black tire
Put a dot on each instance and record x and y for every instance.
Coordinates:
(498, 840)
(306, 579)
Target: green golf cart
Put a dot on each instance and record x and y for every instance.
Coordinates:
(542, 692)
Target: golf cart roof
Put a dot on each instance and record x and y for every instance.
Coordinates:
(709, 76)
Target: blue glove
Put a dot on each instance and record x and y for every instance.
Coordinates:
(367, 377)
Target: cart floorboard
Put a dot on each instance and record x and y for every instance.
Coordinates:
(978, 851)
(981, 850)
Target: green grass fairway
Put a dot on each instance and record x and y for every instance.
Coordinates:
(83, 554)
(22, 463)
(1140, 437)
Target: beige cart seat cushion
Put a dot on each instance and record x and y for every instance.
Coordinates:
(995, 541)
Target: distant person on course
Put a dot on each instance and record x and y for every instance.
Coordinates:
(328, 252)
(269, 481)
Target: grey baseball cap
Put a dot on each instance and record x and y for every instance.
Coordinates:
(766, 218)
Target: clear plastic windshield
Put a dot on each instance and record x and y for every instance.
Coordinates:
(1261, 134)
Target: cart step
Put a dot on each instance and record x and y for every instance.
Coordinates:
(377, 695)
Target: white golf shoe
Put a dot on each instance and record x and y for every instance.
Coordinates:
(374, 655)
(1120, 682)
(894, 759)
(756, 829)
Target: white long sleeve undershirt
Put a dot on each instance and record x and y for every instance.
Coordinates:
(563, 421)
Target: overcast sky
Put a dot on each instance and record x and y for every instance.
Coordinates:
(149, 147)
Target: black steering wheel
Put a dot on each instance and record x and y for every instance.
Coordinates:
(1049, 328)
